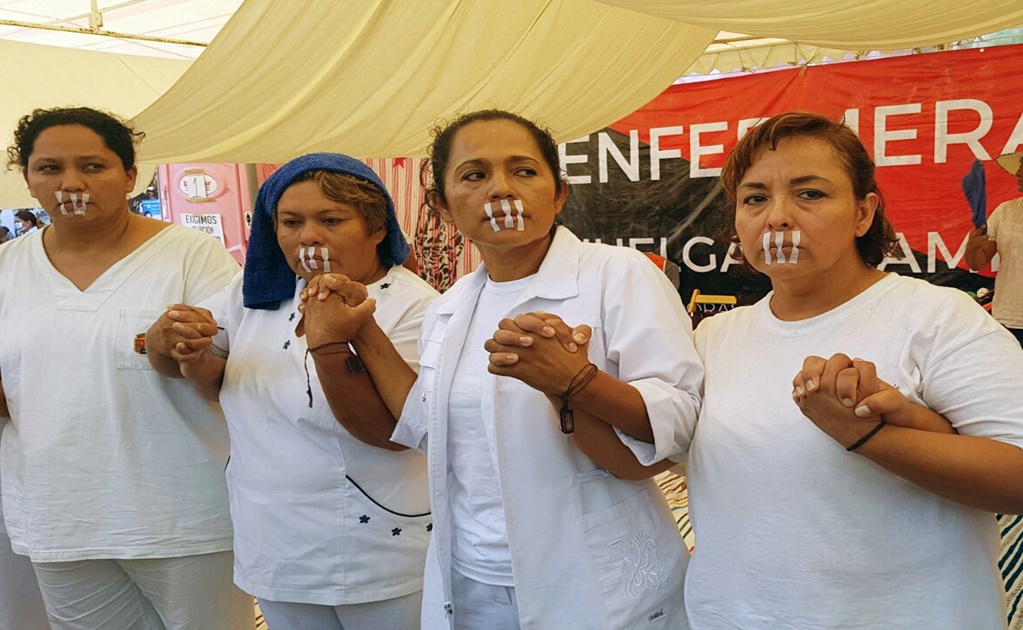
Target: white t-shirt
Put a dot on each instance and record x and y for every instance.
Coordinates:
(319, 517)
(479, 540)
(794, 532)
(103, 457)
(1005, 227)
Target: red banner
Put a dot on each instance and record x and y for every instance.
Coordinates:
(924, 118)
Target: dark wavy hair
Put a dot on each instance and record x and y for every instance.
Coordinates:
(879, 240)
(434, 167)
(119, 136)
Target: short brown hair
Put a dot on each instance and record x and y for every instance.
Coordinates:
(880, 240)
(371, 203)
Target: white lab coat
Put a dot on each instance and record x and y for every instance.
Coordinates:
(589, 551)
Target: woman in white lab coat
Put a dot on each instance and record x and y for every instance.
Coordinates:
(540, 452)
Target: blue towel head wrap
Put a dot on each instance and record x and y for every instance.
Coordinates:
(267, 277)
(975, 189)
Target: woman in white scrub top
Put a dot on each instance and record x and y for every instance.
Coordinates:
(330, 532)
(539, 452)
(113, 477)
(826, 491)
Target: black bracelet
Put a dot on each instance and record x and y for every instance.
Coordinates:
(581, 379)
(863, 440)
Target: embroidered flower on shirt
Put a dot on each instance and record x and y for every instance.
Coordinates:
(396, 531)
(429, 527)
(287, 343)
(642, 568)
(364, 519)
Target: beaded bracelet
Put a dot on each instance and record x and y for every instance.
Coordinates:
(576, 385)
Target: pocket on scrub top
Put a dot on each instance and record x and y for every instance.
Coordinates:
(640, 563)
(130, 340)
(386, 537)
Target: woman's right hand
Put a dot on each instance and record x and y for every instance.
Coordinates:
(183, 333)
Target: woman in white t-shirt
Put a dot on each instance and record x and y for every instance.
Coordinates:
(543, 511)
(330, 532)
(113, 479)
(828, 492)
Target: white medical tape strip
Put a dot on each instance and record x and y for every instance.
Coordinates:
(312, 258)
(520, 216)
(80, 207)
(60, 201)
(509, 220)
(490, 213)
(326, 259)
(767, 248)
(795, 247)
(302, 259)
(779, 243)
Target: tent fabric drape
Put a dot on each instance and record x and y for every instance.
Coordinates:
(370, 77)
(842, 24)
(45, 76)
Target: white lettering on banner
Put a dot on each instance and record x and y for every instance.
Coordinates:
(687, 259)
(911, 149)
(851, 118)
(209, 223)
(606, 146)
(696, 150)
(748, 123)
(698, 254)
(882, 136)
(657, 154)
(567, 159)
(942, 138)
(1015, 138)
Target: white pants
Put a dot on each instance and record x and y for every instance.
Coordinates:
(400, 613)
(480, 606)
(21, 606)
(186, 593)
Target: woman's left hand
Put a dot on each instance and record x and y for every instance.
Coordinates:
(546, 360)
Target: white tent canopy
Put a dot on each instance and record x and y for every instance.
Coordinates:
(44, 76)
(369, 77)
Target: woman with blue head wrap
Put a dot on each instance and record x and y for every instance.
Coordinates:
(329, 532)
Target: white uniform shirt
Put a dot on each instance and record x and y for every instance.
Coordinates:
(1005, 227)
(794, 532)
(103, 457)
(319, 517)
(589, 551)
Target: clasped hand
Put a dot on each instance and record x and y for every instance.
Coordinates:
(184, 332)
(845, 398)
(334, 308)
(540, 350)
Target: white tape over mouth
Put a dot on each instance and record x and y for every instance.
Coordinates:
(78, 205)
(778, 240)
(490, 213)
(521, 224)
(307, 259)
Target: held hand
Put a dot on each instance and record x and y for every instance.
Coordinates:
(538, 324)
(323, 285)
(542, 362)
(977, 236)
(826, 391)
(183, 332)
(336, 317)
(859, 387)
